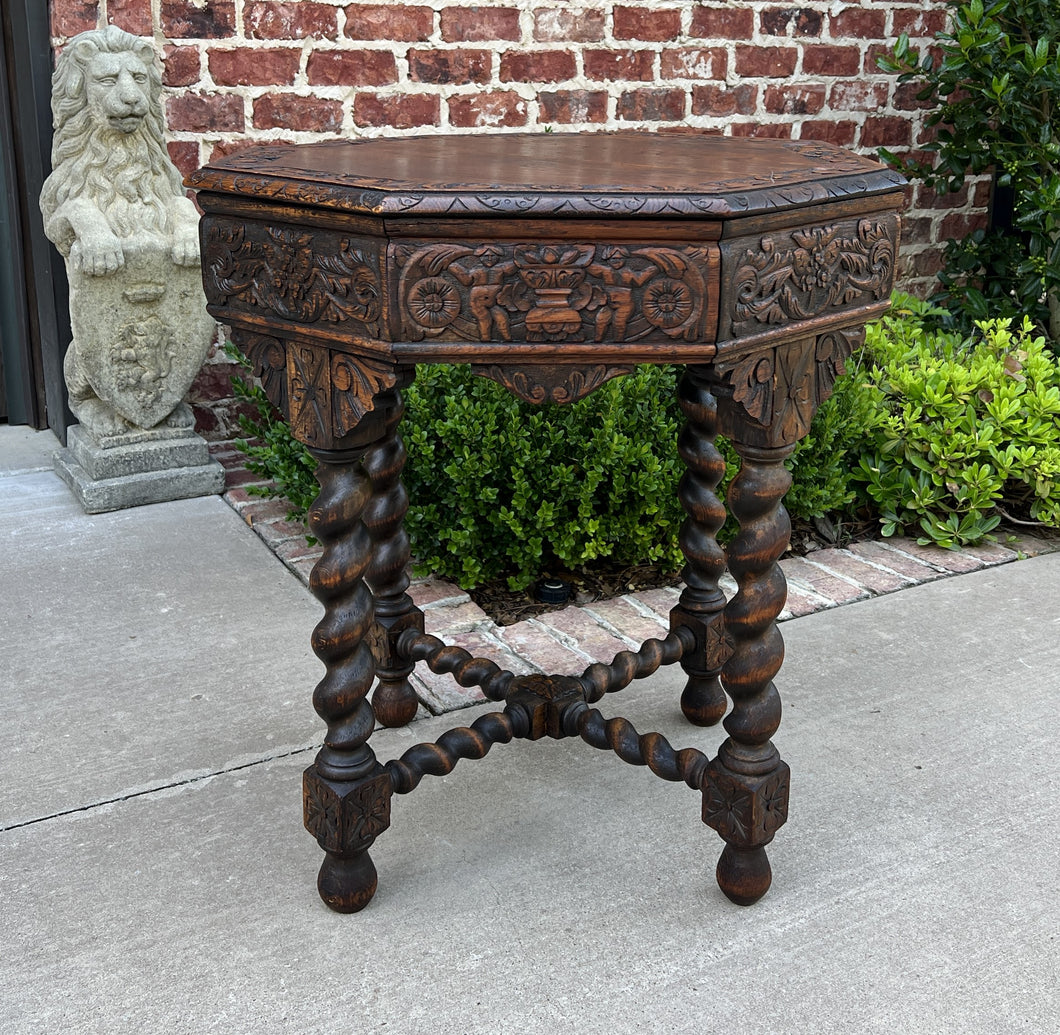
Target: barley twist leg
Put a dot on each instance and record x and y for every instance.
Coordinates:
(745, 793)
(702, 602)
(394, 700)
(346, 793)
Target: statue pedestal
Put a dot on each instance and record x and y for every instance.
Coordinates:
(137, 468)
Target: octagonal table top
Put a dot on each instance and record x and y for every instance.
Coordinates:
(605, 175)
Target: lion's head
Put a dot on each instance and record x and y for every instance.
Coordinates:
(109, 144)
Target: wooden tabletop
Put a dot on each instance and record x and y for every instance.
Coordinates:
(620, 175)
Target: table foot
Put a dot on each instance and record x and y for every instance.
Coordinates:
(703, 702)
(346, 817)
(395, 703)
(744, 874)
(347, 883)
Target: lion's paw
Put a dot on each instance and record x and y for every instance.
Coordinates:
(97, 256)
(186, 249)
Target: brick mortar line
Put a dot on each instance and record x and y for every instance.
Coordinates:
(848, 579)
(807, 590)
(945, 572)
(879, 567)
(604, 624)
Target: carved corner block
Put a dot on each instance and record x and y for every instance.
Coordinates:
(745, 810)
(324, 394)
(768, 397)
(543, 700)
(346, 818)
(713, 642)
(391, 628)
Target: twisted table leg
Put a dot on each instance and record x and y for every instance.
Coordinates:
(346, 792)
(394, 700)
(745, 793)
(701, 604)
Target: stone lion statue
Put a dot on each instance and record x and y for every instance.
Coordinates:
(115, 208)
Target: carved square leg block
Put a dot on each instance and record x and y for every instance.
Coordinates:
(746, 810)
(346, 817)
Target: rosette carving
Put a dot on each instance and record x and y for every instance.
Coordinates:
(555, 292)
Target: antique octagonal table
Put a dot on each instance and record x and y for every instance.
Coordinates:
(550, 263)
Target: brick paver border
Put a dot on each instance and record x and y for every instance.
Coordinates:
(570, 639)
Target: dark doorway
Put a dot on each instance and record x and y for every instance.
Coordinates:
(34, 320)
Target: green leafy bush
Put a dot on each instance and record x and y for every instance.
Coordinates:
(940, 433)
(995, 93)
(822, 462)
(271, 451)
(502, 487)
(972, 425)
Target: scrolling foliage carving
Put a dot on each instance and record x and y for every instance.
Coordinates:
(268, 360)
(554, 292)
(556, 383)
(324, 394)
(301, 275)
(808, 272)
(772, 395)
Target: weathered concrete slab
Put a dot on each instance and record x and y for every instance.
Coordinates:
(140, 647)
(550, 887)
(23, 449)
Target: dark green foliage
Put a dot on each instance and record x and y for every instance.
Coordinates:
(270, 449)
(823, 460)
(997, 92)
(502, 487)
(934, 430)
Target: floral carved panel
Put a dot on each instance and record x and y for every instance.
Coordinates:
(345, 819)
(799, 274)
(303, 275)
(568, 292)
(745, 810)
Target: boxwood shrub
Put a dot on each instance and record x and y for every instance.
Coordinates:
(939, 434)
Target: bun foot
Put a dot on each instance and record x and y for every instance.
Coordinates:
(394, 704)
(347, 884)
(703, 702)
(744, 874)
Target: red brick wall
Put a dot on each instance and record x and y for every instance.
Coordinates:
(239, 71)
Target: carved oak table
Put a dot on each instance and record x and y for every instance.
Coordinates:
(549, 263)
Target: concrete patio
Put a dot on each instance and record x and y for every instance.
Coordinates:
(155, 680)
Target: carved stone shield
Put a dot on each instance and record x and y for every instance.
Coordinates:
(141, 333)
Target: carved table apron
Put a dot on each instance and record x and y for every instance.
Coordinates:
(550, 263)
